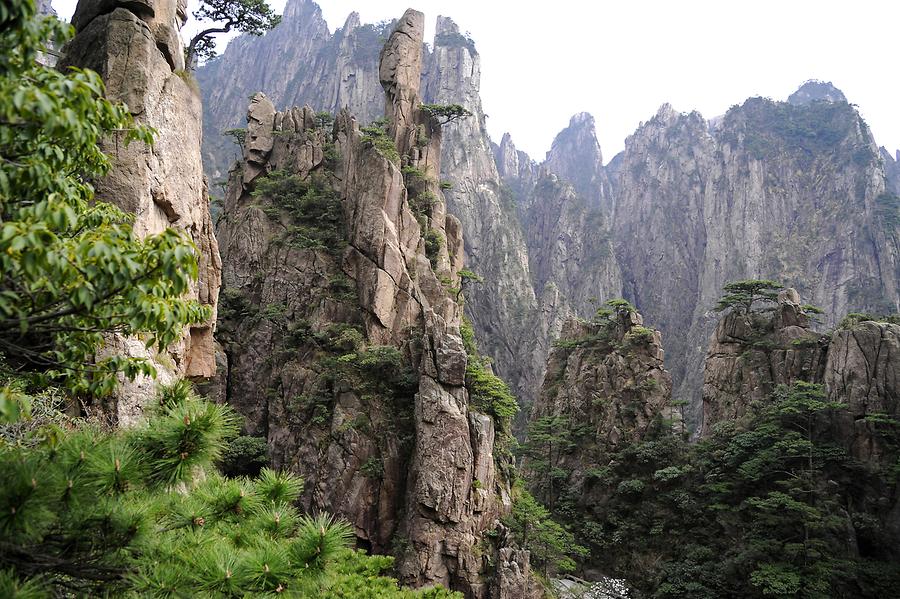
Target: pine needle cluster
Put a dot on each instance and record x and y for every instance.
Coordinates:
(143, 512)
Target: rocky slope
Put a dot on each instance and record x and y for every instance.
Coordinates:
(341, 328)
(136, 49)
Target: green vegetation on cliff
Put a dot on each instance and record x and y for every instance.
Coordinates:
(764, 509)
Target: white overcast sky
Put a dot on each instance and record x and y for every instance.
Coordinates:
(541, 62)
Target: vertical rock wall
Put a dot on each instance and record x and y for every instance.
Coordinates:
(347, 356)
(136, 49)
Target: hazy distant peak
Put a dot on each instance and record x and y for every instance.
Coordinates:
(352, 22)
(445, 25)
(816, 91)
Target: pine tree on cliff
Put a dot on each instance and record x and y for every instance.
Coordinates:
(741, 295)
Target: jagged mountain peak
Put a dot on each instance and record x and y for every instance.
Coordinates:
(352, 22)
(445, 25)
(299, 10)
(575, 155)
(816, 91)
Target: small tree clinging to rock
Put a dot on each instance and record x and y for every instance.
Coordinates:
(741, 295)
(446, 113)
(247, 16)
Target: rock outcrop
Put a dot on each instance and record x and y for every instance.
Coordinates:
(136, 49)
(332, 72)
(341, 328)
(750, 354)
(606, 386)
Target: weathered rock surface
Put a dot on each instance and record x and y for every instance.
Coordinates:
(751, 354)
(789, 191)
(775, 191)
(607, 381)
(332, 72)
(863, 371)
(348, 358)
(136, 49)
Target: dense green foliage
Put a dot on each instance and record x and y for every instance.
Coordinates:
(376, 135)
(247, 16)
(552, 547)
(548, 438)
(774, 507)
(141, 512)
(805, 131)
(314, 208)
(71, 269)
(741, 295)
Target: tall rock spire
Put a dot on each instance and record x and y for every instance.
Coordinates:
(136, 49)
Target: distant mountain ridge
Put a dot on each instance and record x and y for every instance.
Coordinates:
(796, 191)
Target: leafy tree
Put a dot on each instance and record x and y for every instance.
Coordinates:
(247, 16)
(761, 509)
(741, 295)
(552, 547)
(446, 113)
(142, 512)
(71, 269)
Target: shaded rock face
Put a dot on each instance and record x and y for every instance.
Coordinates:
(307, 65)
(575, 157)
(863, 371)
(136, 49)
(505, 309)
(608, 382)
(347, 355)
(751, 354)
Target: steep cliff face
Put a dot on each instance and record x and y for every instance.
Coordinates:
(563, 206)
(341, 327)
(504, 308)
(304, 64)
(136, 49)
(776, 191)
(605, 387)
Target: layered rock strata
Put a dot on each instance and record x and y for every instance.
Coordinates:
(136, 49)
(342, 332)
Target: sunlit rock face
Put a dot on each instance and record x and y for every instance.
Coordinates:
(136, 49)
